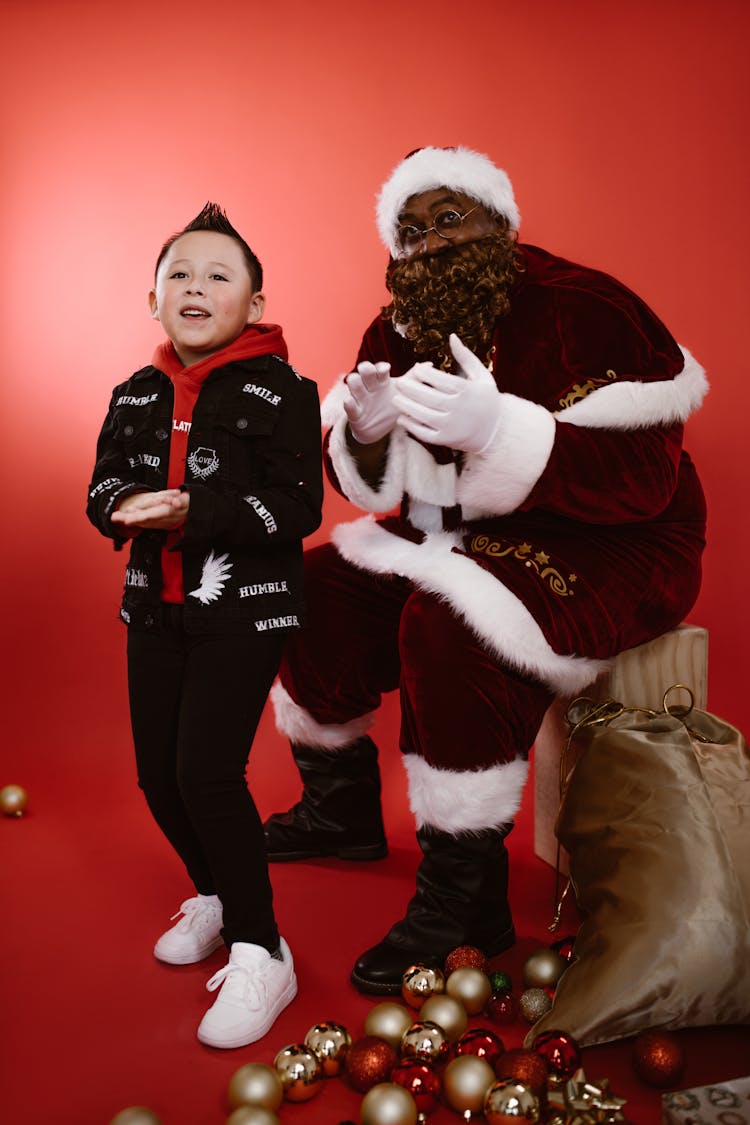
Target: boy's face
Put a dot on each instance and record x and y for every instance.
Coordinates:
(204, 295)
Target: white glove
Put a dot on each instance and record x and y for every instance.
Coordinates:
(369, 402)
(443, 409)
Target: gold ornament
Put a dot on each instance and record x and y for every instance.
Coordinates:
(388, 1104)
(465, 1083)
(586, 1103)
(300, 1072)
(13, 800)
(534, 1004)
(252, 1115)
(329, 1042)
(509, 1102)
(543, 969)
(426, 1042)
(471, 987)
(447, 1013)
(255, 1084)
(419, 983)
(135, 1115)
(388, 1021)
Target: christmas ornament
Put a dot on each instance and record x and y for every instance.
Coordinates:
(300, 1072)
(543, 968)
(426, 1042)
(508, 1102)
(329, 1042)
(447, 1013)
(470, 987)
(564, 946)
(501, 982)
(586, 1103)
(482, 1043)
(252, 1115)
(419, 983)
(525, 1066)
(134, 1114)
(562, 1054)
(388, 1104)
(13, 800)
(421, 1081)
(465, 1083)
(465, 957)
(369, 1060)
(534, 1004)
(658, 1059)
(503, 1008)
(388, 1021)
(255, 1084)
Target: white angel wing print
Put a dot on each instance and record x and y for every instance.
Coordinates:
(216, 570)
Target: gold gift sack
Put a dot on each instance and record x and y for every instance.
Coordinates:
(655, 816)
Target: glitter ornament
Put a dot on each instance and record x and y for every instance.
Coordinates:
(564, 946)
(501, 982)
(13, 801)
(421, 1081)
(526, 1066)
(534, 1004)
(419, 983)
(252, 1115)
(329, 1042)
(561, 1052)
(388, 1104)
(465, 957)
(300, 1072)
(482, 1043)
(369, 1061)
(471, 988)
(508, 1103)
(426, 1042)
(388, 1021)
(135, 1115)
(658, 1059)
(543, 969)
(255, 1084)
(502, 1007)
(447, 1013)
(465, 1084)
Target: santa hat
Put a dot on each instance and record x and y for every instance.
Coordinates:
(459, 168)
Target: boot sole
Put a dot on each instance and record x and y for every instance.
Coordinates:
(366, 852)
(386, 988)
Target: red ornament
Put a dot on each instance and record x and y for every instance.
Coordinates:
(465, 957)
(564, 947)
(420, 1080)
(482, 1043)
(561, 1052)
(370, 1060)
(502, 1007)
(658, 1059)
(523, 1065)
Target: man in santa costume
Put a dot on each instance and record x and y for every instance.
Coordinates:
(514, 428)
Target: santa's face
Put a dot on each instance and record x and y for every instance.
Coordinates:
(433, 221)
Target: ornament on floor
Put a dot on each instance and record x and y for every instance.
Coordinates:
(561, 1052)
(252, 1115)
(369, 1061)
(426, 1042)
(388, 1020)
(330, 1043)
(564, 946)
(534, 1004)
(419, 983)
(658, 1059)
(483, 1043)
(501, 982)
(502, 1007)
(471, 987)
(580, 1102)
(300, 1072)
(521, 1064)
(543, 969)
(508, 1103)
(465, 957)
(255, 1084)
(135, 1115)
(421, 1081)
(388, 1104)
(13, 801)
(465, 1083)
(447, 1013)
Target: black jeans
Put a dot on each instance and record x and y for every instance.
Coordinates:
(195, 704)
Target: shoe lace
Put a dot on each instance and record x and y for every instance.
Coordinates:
(192, 913)
(247, 984)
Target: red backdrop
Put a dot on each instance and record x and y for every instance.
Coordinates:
(621, 126)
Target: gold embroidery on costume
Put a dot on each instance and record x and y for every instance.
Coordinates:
(538, 562)
(582, 390)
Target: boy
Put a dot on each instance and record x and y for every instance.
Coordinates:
(209, 462)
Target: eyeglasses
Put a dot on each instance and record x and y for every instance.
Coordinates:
(447, 225)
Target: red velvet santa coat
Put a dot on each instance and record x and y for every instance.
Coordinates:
(579, 532)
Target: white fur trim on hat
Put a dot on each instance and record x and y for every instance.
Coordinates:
(461, 169)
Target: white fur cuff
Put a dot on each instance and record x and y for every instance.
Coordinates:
(301, 728)
(464, 801)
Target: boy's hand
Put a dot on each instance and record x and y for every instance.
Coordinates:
(163, 511)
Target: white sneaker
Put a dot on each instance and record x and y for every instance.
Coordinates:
(255, 988)
(197, 933)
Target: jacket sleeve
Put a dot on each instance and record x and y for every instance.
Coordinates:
(113, 479)
(285, 503)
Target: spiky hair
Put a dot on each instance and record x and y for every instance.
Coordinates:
(214, 218)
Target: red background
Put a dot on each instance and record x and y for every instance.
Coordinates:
(622, 126)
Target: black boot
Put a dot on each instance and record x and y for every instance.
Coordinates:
(339, 813)
(461, 899)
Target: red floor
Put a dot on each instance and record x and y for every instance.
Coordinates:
(92, 1023)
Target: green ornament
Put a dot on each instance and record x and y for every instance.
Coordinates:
(501, 982)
